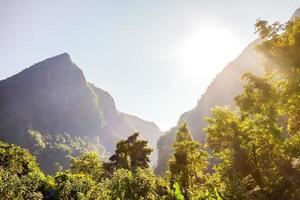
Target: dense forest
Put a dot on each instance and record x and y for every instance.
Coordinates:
(251, 151)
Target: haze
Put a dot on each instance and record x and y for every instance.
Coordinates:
(155, 58)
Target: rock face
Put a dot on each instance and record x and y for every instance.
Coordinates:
(51, 96)
(114, 126)
(54, 98)
(121, 125)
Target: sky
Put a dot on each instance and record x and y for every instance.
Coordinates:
(155, 57)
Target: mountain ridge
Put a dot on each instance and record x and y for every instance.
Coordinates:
(53, 98)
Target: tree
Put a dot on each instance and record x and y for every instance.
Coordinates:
(20, 176)
(281, 49)
(79, 186)
(137, 185)
(258, 145)
(130, 154)
(188, 163)
(88, 164)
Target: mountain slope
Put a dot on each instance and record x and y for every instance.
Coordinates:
(52, 110)
(221, 91)
(121, 125)
(150, 131)
(43, 97)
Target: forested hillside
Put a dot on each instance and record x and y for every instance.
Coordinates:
(254, 147)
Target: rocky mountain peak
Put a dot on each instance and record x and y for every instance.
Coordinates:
(56, 71)
(59, 61)
(51, 96)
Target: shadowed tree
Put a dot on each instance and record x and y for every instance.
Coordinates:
(130, 154)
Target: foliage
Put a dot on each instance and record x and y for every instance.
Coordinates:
(135, 186)
(176, 192)
(78, 186)
(89, 164)
(54, 152)
(188, 163)
(14, 187)
(164, 147)
(258, 145)
(255, 147)
(130, 154)
(20, 177)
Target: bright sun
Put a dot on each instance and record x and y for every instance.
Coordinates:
(205, 53)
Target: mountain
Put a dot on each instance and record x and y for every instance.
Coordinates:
(51, 96)
(151, 129)
(220, 92)
(223, 89)
(52, 110)
(121, 125)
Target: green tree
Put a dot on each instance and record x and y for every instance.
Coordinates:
(88, 164)
(258, 145)
(79, 186)
(20, 176)
(175, 192)
(281, 50)
(188, 163)
(137, 185)
(130, 154)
